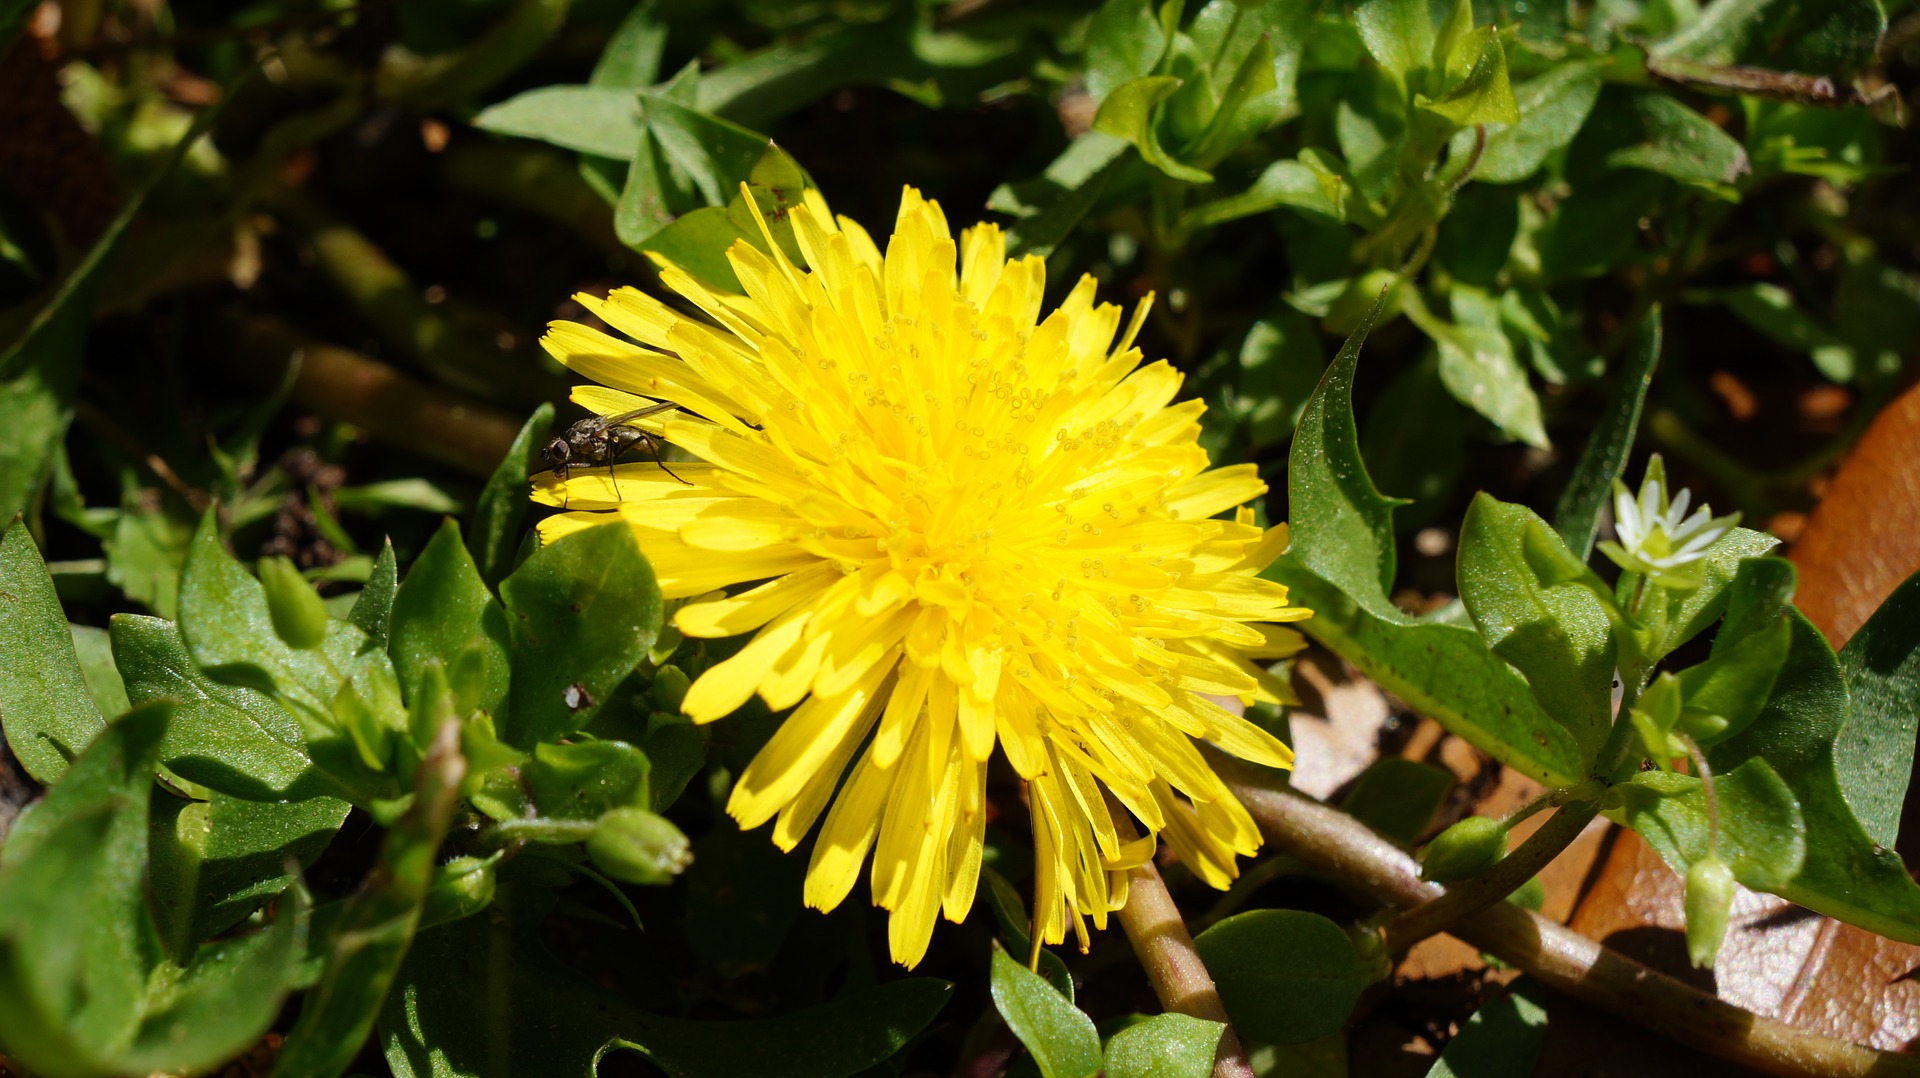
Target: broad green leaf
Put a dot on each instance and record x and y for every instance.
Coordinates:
(1342, 527)
(1659, 134)
(231, 739)
(370, 937)
(1577, 515)
(605, 121)
(1165, 1046)
(444, 613)
(1397, 797)
(1128, 112)
(1526, 594)
(714, 153)
(1286, 976)
(45, 708)
(1010, 911)
(1846, 875)
(632, 56)
(221, 1003)
(1737, 679)
(1873, 754)
(1296, 184)
(500, 516)
(372, 611)
(1552, 108)
(1250, 103)
(1484, 96)
(1690, 612)
(343, 693)
(582, 781)
(1594, 230)
(1478, 366)
(743, 897)
(1125, 41)
(582, 612)
(145, 553)
(1399, 33)
(1059, 1035)
(76, 946)
(216, 861)
(1762, 834)
(1414, 441)
(1503, 1039)
(1771, 310)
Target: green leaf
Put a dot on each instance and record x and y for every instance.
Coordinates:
(582, 781)
(605, 121)
(1414, 442)
(1484, 96)
(1010, 911)
(1165, 1046)
(1690, 612)
(1059, 1035)
(1478, 367)
(1503, 1039)
(1533, 602)
(1762, 835)
(444, 613)
(1128, 113)
(216, 861)
(343, 693)
(714, 153)
(743, 897)
(75, 942)
(371, 935)
(1577, 515)
(1286, 976)
(1399, 33)
(1397, 797)
(1729, 689)
(582, 612)
(231, 739)
(1342, 525)
(1846, 875)
(1552, 108)
(45, 708)
(500, 516)
(632, 56)
(372, 611)
(1125, 41)
(1771, 310)
(1873, 755)
(145, 553)
(1659, 134)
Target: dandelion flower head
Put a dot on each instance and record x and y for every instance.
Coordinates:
(949, 523)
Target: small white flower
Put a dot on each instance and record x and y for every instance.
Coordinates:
(1656, 535)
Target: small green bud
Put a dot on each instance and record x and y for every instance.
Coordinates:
(461, 887)
(670, 688)
(299, 617)
(637, 846)
(1468, 848)
(1709, 898)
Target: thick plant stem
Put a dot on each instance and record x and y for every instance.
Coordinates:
(1347, 850)
(1159, 936)
(1506, 876)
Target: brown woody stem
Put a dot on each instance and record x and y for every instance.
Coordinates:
(1159, 936)
(1350, 852)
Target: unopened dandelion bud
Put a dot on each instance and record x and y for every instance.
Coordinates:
(299, 617)
(1466, 849)
(636, 846)
(1708, 900)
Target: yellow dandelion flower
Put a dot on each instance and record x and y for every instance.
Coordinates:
(969, 526)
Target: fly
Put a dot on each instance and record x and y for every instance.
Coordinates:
(601, 440)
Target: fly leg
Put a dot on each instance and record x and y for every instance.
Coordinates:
(657, 459)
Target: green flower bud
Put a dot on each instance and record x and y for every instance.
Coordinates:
(1468, 848)
(639, 847)
(669, 688)
(299, 617)
(461, 887)
(1709, 898)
